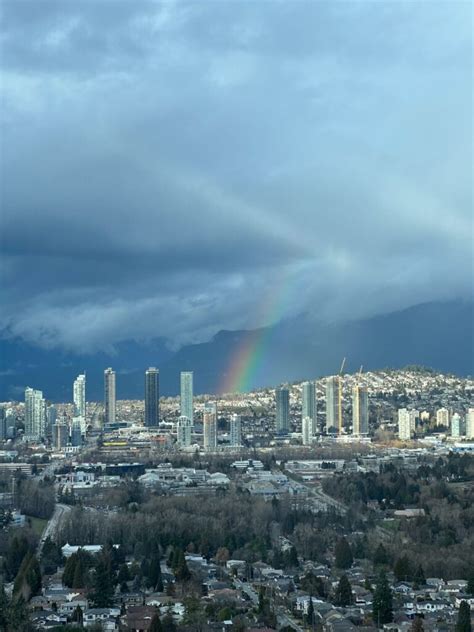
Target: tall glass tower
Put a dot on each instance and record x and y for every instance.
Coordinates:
(109, 395)
(332, 403)
(186, 399)
(308, 404)
(35, 414)
(79, 396)
(360, 410)
(152, 397)
(282, 400)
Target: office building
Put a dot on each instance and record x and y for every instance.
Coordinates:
(282, 400)
(51, 415)
(109, 396)
(442, 417)
(210, 427)
(184, 431)
(60, 434)
(76, 432)
(307, 430)
(152, 397)
(3, 423)
(470, 424)
(360, 410)
(235, 437)
(308, 404)
(79, 396)
(186, 395)
(35, 414)
(404, 424)
(333, 404)
(456, 426)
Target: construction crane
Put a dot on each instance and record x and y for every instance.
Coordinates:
(341, 385)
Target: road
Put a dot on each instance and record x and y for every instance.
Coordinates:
(60, 511)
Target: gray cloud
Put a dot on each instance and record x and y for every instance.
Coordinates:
(173, 169)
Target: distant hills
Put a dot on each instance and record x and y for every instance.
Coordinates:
(438, 335)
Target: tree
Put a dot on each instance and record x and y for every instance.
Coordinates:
(103, 588)
(382, 608)
(78, 616)
(343, 595)
(470, 585)
(153, 574)
(4, 603)
(419, 576)
(380, 555)
(402, 569)
(310, 611)
(155, 625)
(168, 624)
(222, 555)
(343, 554)
(463, 624)
(417, 625)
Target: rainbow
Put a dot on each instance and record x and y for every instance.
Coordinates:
(247, 358)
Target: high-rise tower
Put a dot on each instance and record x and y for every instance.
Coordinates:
(186, 399)
(210, 427)
(282, 400)
(184, 432)
(235, 431)
(35, 414)
(308, 404)
(79, 396)
(360, 410)
(109, 395)
(152, 397)
(333, 403)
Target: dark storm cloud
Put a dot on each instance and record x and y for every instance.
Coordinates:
(166, 167)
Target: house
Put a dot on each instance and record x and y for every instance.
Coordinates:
(99, 615)
(138, 618)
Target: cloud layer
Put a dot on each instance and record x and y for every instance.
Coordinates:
(174, 169)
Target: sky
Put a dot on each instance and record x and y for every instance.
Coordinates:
(174, 169)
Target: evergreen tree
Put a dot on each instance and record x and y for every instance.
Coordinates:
(69, 570)
(310, 611)
(103, 588)
(123, 574)
(402, 569)
(79, 579)
(417, 625)
(343, 554)
(382, 608)
(33, 576)
(419, 576)
(168, 624)
(51, 556)
(18, 616)
(155, 625)
(181, 570)
(343, 595)
(154, 579)
(78, 615)
(380, 555)
(4, 604)
(470, 585)
(463, 623)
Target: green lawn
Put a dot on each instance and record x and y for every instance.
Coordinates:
(37, 524)
(390, 525)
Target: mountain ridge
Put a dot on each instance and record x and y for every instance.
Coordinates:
(438, 335)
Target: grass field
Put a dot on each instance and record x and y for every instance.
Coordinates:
(38, 524)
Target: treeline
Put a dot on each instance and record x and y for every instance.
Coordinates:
(247, 527)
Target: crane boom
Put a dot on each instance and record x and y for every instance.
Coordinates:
(342, 366)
